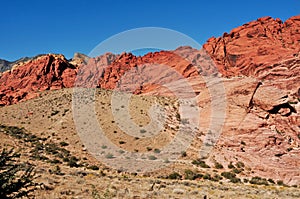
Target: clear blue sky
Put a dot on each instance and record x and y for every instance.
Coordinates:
(33, 27)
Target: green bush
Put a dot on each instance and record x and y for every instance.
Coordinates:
(16, 179)
(156, 151)
(280, 183)
(152, 157)
(109, 156)
(228, 175)
(235, 180)
(240, 165)
(237, 171)
(207, 177)
(200, 163)
(93, 167)
(259, 181)
(63, 144)
(174, 176)
(231, 166)
(190, 175)
(218, 165)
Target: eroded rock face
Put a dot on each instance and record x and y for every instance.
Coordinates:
(46, 72)
(258, 48)
(129, 73)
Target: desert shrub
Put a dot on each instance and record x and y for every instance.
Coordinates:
(207, 176)
(240, 164)
(183, 154)
(55, 161)
(216, 178)
(109, 156)
(200, 163)
(93, 167)
(152, 157)
(228, 175)
(235, 180)
(271, 181)
(259, 181)
(122, 142)
(62, 144)
(174, 176)
(231, 166)
(231, 176)
(237, 171)
(149, 148)
(51, 148)
(156, 151)
(280, 182)
(190, 175)
(143, 131)
(54, 112)
(72, 162)
(218, 165)
(16, 179)
(56, 170)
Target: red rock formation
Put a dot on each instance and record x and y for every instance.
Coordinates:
(266, 48)
(136, 74)
(46, 72)
(256, 48)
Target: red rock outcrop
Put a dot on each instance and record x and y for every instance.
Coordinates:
(136, 74)
(257, 48)
(47, 72)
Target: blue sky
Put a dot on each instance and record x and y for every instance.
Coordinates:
(33, 27)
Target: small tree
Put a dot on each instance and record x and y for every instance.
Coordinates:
(16, 179)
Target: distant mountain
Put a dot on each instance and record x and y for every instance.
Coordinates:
(4, 65)
(7, 65)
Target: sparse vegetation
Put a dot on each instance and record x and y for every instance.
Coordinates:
(200, 163)
(16, 179)
(109, 156)
(156, 151)
(218, 165)
(149, 148)
(93, 167)
(240, 165)
(174, 176)
(143, 131)
(152, 157)
(62, 144)
(259, 181)
(231, 176)
(190, 175)
(54, 112)
(231, 166)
